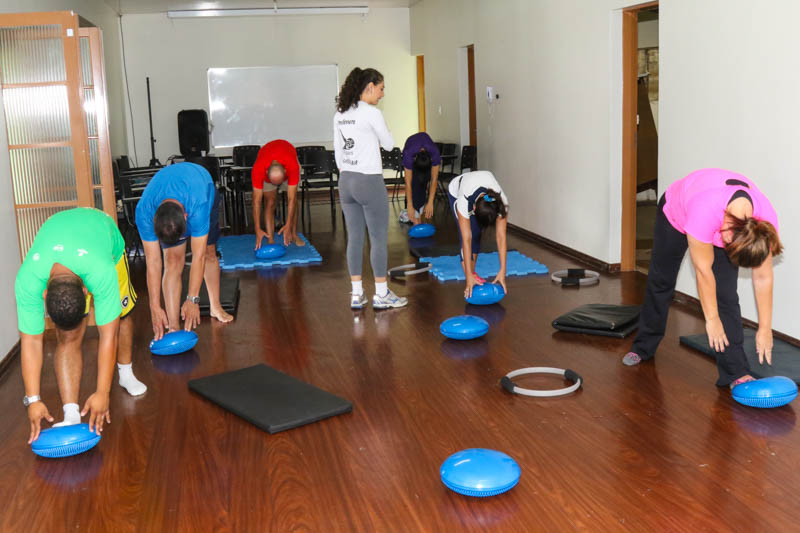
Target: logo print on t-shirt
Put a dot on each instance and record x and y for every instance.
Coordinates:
(348, 143)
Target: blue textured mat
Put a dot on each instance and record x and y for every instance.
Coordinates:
(238, 254)
(448, 267)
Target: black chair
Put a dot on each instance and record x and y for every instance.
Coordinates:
(319, 167)
(393, 160)
(129, 199)
(210, 163)
(238, 185)
(469, 156)
(245, 155)
(448, 152)
(303, 150)
(123, 163)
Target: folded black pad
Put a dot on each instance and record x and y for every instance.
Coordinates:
(269, 399)
(600, 319)
(785, 357)
(228, 293)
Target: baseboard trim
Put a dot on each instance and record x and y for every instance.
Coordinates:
(694, 303)
(9, 358)
(613, 268)
(602, 266)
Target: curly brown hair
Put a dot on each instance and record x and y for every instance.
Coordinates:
(354, 85)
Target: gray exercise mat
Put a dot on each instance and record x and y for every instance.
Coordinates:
(269, 399)
(785, 357)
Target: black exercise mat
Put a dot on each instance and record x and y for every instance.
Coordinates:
(269, 399)
(228, 293)
(785, 357)
(600, 319)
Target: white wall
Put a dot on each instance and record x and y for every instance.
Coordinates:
(548, 136)
(104, 17)
(728, 86)
(176, 53)
(729, 83)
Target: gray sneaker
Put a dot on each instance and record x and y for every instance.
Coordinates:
(357, 301)
(389, 301)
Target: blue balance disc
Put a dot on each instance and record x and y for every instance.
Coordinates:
(420, 231)
(174, 342)
(65, 441)
(480, 472)
(271, 251)
(464, 327)
(774, 391)
(486, 294)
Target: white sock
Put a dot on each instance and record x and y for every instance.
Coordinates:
(72, 415)
(381, 289)
(129, 382)
(358, 288)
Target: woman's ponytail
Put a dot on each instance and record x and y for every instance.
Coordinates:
(354, 85)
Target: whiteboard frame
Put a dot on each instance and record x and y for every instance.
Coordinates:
(211, 112)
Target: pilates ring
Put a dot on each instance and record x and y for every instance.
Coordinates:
(571, 375)
(576, 276)
(403, 271)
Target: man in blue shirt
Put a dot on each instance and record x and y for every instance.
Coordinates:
(180, 204)
(421, 163)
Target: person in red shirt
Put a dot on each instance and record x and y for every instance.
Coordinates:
(276, 167)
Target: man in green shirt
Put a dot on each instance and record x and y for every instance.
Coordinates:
(78, 256)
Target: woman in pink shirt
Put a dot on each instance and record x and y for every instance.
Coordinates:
(725, 222)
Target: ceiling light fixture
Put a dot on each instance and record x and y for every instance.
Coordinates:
(261, 12)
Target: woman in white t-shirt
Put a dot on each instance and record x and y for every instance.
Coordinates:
(478, 202)
(358, 133)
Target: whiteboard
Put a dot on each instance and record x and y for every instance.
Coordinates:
(255, 105)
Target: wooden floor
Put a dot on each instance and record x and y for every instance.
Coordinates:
(652, 448)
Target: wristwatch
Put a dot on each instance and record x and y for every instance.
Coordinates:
(27, 400)
(193, 299)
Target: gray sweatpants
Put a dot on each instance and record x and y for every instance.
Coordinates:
(365, 204)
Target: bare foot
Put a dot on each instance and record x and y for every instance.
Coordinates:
(299, 242)
(270, 240)
(743, 379)
(221, 315)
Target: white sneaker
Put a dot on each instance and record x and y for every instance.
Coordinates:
(388, 301)
(357, 301)
(404, 216)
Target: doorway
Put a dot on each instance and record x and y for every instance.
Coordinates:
(421, 92)
(639, 135)
(466, 96)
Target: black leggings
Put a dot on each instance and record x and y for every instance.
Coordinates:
(669, 247)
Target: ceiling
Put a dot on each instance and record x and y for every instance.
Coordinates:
(130, 7)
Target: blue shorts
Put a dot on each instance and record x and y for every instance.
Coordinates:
(476, 229)
(214, 232)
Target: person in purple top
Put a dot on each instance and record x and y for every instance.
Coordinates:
(421, 163)
(725, 222)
